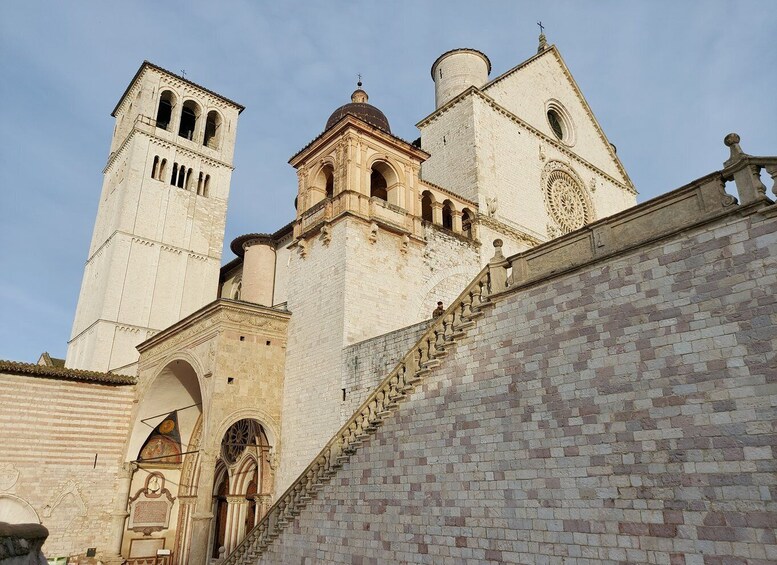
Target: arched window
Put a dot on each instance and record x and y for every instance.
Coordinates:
(426, 207)
(164, 113)
(200, 182)
(466, 222)
(237, 289)
(155, 168)
(212, 129)
(162, 170)
(189, 179)
(174, 176)
(181, 177)
(220, 518)
(206, 186)
(447, 215)
(330, 182)
(189, 114)
(378, 185)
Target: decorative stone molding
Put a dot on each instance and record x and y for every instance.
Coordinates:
(566, 201)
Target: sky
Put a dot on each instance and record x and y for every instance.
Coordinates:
(667, 81)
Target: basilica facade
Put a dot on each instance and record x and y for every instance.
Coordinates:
(216, 381)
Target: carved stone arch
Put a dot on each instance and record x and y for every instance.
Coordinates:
(183, 372)
(396, 169)
(271, 427)
(567, 201)
(427, 295)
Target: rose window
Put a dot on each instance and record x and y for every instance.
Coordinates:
(566, 201)
(240, 435)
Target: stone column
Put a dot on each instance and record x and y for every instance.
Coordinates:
(456, 216)
(236, 514)
(263, 503)
(437, 213)
(203, 510)
(259, 270)
(119, 514)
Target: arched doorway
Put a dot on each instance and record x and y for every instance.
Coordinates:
(243, 484)
(164, 441)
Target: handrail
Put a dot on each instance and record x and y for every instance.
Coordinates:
(419, 361)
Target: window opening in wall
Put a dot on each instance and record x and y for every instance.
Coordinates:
(330, 183)
(162, 170)
(206, 186)
(189, 179)
(181, 176)
(466, 222)
(188, 120)
(268, 343)
(200, 182)
(426, 207)
(212, 129)
(165, 111)
(447, 215)
(555, 123)
(242, 338)
(174, 175)
(378, 186)
(155, 168)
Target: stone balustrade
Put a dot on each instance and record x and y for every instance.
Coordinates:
(699, 202)
(434, 344)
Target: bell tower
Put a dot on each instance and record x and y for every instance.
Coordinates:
(157, 240)
(374, 248)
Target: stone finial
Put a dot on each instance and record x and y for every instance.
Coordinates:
(498, 256)
(732, 142)
(543, 43)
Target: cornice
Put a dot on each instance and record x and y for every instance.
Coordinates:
(209, 311)
(365, 128)
(146, 65)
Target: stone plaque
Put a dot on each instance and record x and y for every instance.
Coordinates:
(150, 507)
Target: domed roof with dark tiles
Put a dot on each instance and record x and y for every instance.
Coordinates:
(359, 108)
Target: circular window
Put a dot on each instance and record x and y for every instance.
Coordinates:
(566, 201)
(239, 436)
(555, 124)
(560, 123)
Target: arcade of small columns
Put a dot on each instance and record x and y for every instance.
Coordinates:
(357, 173)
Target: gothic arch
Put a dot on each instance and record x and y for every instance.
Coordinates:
(176, 385)
(271, 427)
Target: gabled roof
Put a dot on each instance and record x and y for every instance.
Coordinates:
(552, 49)
(148, 65)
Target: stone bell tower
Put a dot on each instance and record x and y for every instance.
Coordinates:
(365, 256)
(157, 240)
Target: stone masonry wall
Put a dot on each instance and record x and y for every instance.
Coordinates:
(52, 430)
(623, 412)
(366, 363)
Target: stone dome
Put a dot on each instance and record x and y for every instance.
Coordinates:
(359, 108)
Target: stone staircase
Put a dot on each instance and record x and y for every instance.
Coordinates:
(423, 357)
